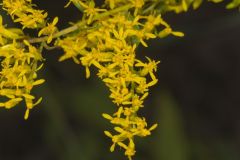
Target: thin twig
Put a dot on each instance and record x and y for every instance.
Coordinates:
(80, 24)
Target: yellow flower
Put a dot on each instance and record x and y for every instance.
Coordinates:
(142, 35)
(167, 31)
(148, 68)
(72, 46)
(90, 10)
(138, 4)
(22, 11)
(8, 33)
(152, 22)
(18, 74)
(49, 30)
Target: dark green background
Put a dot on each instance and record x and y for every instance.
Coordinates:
(196, 102)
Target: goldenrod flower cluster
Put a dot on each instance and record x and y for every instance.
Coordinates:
(110, 46)
(19, 66)
(106, 38)
(22, 11)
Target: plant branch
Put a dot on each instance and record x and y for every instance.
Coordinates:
(78, 25)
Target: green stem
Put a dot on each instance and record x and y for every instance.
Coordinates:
(80, 24)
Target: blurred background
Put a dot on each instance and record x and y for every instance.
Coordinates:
(196, 102)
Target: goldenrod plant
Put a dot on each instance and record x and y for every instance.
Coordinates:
(106, 37)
